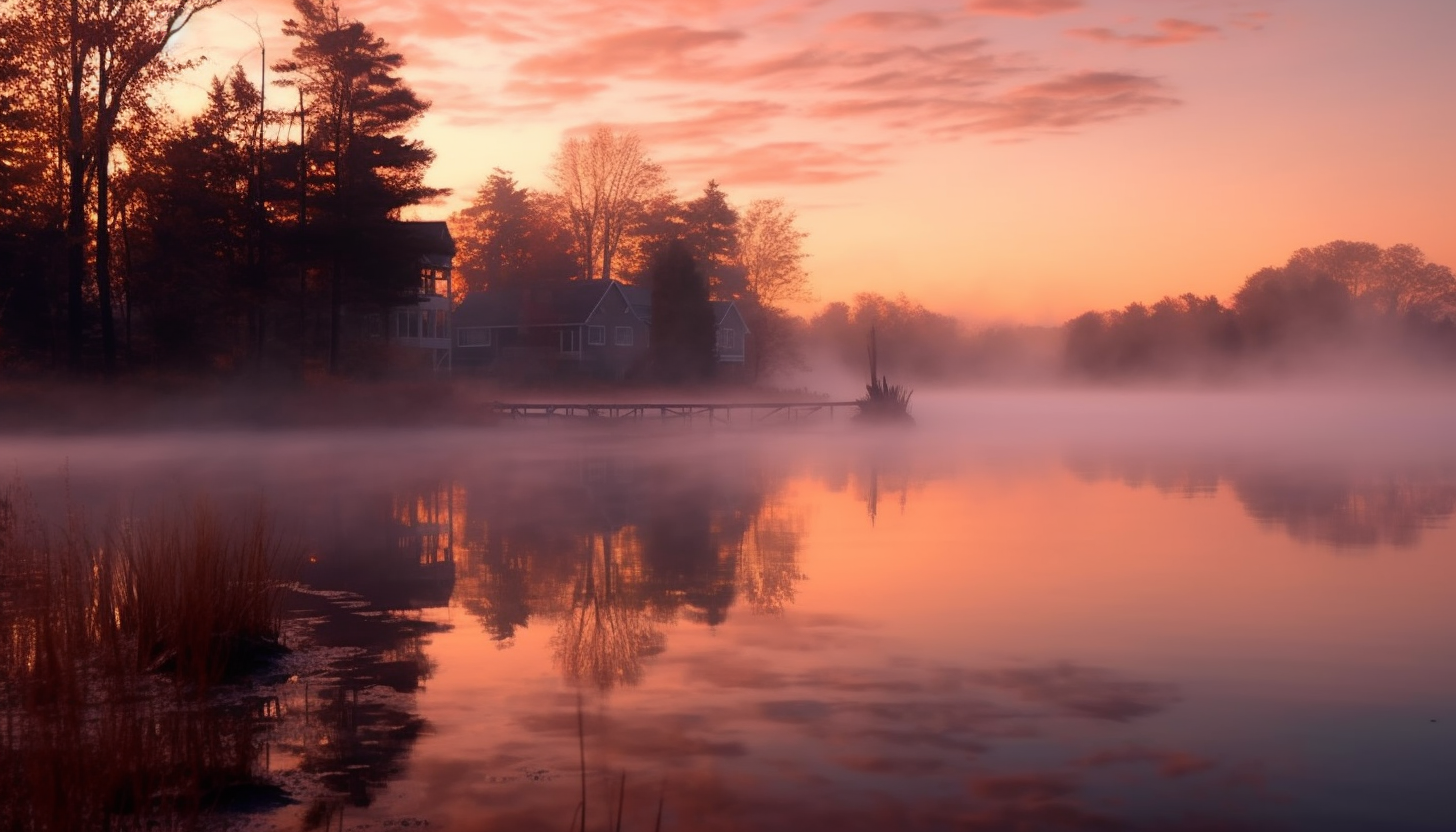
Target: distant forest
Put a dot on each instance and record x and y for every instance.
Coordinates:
(1339, 307)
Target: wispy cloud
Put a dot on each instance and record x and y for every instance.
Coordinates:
(888, 22)
(658, 51)
(1170, 32)
(789, 163)
(1022, 8)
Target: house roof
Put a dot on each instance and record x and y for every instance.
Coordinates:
(561, 303)
(550, 304)
(431, 239)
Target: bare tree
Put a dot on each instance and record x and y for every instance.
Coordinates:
(769, 249)
(605, 179)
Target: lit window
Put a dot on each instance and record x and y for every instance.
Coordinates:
(596, 336)
(622, 336)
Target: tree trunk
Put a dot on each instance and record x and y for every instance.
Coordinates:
(76, 201)
(103, 218)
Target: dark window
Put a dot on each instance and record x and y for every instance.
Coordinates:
(596, 336)
(622, 336)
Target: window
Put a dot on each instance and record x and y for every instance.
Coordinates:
(427, 325)
(407, 323)
(622, 336)
(442, 324)
(473, 336)
(571, 340)
(727, 338)
(596, 336)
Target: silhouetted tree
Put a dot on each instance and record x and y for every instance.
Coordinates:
(710, 231)
(684, 343)
(365, 167)
(93, 62)
(509, 234)
(606, 181)
(195, 200)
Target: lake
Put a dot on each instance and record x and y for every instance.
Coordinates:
(1035, 611)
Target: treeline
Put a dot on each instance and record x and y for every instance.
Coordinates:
(1327, 309)
(235, 238)
(1327, 304)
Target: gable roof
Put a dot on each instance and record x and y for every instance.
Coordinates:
(560, 303)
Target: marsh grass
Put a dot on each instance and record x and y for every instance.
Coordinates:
(109, 645)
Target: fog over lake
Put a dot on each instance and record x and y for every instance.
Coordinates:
(1048, 609)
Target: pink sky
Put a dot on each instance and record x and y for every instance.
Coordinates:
(996, 159)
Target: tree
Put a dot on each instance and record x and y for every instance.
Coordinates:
(94, 62)
(1395, 280)
(769, 249)
(684, 341)
(363, 168)
(606, 180)
(710, 230)
(509, 234)
(195, 196)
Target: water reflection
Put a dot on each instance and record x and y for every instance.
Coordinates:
(611, 550)
(996, 654)
(1349, 507)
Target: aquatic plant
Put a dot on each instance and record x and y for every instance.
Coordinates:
(883, 402)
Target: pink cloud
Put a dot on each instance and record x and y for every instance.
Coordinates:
(1074, 100)
(1022, 8)
(888, 22)
(556, 91)
(788, 163)
(1251, 21)
(653, 51)
(1171, 32)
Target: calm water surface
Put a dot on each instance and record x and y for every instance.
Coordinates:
(1139, 614)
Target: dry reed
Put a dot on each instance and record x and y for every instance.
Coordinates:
(92, 736)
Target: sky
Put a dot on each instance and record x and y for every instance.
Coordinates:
(999, 160)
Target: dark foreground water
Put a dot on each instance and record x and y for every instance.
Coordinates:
(1050, 612)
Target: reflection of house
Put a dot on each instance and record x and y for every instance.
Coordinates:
(425, 324)
(595, 328)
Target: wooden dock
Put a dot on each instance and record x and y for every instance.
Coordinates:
(746, 414)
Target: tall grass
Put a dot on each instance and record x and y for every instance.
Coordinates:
(109, 643)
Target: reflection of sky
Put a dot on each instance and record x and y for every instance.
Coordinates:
(1009, 640)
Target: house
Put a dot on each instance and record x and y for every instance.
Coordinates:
(732, 332)
(423, 327)
(589, 328)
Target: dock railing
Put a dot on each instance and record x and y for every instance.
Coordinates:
(716, 413)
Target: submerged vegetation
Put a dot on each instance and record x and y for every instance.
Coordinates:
(111, 644)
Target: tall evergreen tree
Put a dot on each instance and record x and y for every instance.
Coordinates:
(710, 230)
(684, 342)
(362, 167)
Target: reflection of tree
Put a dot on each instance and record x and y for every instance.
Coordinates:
(1341, 508)
(610, 547)
(1353, 512)
(349, 726)
(606, 634)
